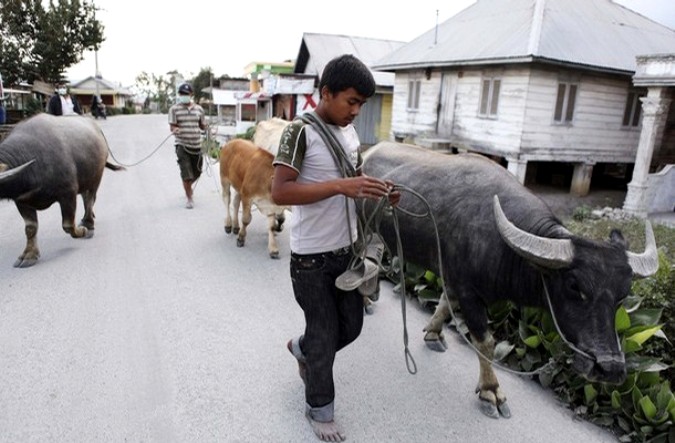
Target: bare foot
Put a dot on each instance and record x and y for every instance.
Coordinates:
(326, 431)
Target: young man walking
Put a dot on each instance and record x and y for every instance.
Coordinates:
(324, 227)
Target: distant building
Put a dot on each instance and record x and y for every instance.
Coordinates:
(112, 95)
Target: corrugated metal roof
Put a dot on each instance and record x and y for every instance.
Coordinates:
(595, 33)
(316, 50)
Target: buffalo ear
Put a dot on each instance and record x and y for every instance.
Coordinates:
(616, 237)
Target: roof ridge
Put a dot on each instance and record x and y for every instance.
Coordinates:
(536, 27)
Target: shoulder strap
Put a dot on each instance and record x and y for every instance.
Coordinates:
(334, 145)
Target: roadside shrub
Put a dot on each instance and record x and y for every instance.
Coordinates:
(581, 213)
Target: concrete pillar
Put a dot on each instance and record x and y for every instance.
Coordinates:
(654, 109)
(518, 168)
(581, 179)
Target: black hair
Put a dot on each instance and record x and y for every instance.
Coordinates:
(347, 71)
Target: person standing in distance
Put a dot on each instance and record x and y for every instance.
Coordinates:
(62, 103)
(307, 176)
(187, 121)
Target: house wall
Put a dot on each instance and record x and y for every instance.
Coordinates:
(422, 121)
(383, 129)
(524, 126)
(497, 136)
(596, 133)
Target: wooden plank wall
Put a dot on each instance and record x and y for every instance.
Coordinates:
(524, 125)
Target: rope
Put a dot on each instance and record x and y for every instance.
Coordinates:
(141, 160)
(430, 214)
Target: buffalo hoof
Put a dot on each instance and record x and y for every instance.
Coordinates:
(235, 231)
(228, 229)
(274, 255)
(369, 309)
(240, 243)
(435, 342)
(488, 408)
(25, 262)
(88, 233)
(504, 410)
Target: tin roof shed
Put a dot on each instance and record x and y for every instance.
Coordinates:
(316, 50)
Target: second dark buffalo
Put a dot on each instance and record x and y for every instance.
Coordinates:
(47, 160)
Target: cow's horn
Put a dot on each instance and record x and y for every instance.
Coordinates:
(647, 263)
(551, 253)
(12, 172)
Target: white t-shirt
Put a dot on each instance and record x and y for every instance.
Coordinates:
(322, 226)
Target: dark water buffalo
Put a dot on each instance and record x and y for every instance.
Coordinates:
(499, 241)
(46, 160)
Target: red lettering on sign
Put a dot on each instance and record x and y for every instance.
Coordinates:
(309, 102)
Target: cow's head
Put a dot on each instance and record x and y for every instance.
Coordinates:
(6, 173)
(585, 281)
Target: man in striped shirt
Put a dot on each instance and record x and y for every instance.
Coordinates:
(187, 121)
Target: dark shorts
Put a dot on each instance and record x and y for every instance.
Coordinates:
(189, 162)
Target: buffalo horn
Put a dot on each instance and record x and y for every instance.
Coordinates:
(551, 253)
(647, 263)
(12, 172)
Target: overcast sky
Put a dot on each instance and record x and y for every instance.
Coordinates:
(157, 36)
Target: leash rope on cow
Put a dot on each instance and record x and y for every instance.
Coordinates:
(430, 214)
(555, 322)
(112, 155)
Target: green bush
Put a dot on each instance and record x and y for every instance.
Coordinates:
(581, 213)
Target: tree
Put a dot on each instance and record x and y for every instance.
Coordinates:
(159, 89)
(202, 81)
(39, 43)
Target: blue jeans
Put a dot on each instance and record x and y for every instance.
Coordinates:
(333, 319)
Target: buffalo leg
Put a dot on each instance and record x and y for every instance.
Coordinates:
(245, 220)
(68, 208)
(271, 236)
(434, 338)
(493, 400)
(31, 253)
(88, 199)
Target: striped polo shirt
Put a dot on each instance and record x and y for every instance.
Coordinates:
(188, 117)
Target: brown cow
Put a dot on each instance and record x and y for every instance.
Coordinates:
(248, 169)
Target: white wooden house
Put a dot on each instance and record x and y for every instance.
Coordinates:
(531, 82)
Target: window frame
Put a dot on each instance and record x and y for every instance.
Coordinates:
(632, 111)
(414, 94)
(563, 113)
(490, 91)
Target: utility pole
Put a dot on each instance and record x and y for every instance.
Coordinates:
(97, 74)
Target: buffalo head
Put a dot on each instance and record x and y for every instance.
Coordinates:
(584, 282)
